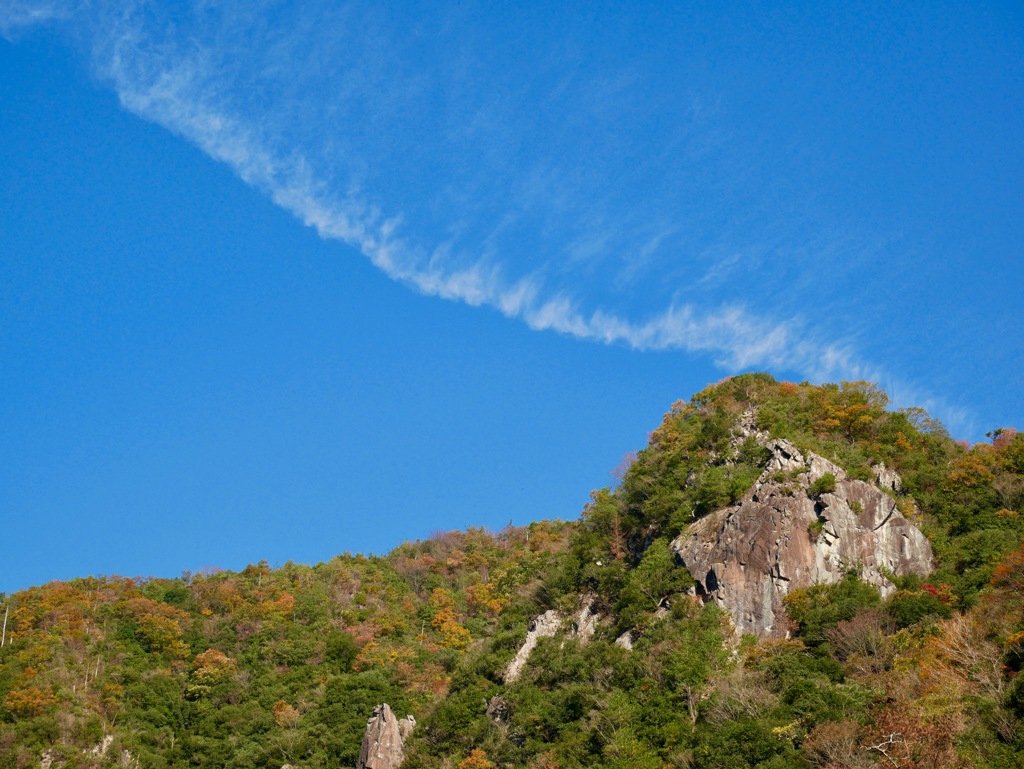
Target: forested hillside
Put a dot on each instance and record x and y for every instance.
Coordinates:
(274, 667)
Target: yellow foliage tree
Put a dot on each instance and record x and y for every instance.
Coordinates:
(453, 634)
(481, 597)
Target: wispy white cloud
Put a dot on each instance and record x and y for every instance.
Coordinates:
(173, 92)
(180, 84)
(19, 15)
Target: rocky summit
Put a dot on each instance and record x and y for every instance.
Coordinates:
(804, 522)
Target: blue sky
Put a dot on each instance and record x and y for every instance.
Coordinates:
(282, 280)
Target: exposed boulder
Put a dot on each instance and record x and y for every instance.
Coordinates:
(783, 534)
(545, 625)
(384, 741)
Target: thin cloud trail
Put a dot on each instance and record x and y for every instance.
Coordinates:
(182, 82)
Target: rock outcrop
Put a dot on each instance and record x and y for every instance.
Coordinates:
(545, 625)
(584, 624)
(103, 747)
(887, 479)
(384, 741)
(55, 759)
(498, 710)
(784, 535)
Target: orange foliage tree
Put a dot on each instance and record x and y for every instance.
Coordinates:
(30, 701)
(477, 759)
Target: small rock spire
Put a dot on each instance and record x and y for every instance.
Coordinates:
(384, 741)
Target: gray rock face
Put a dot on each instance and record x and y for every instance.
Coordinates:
(886, 478)
(746, 427)
(542, 626)
(579, 627)
(778, 537)
(405, 727)
(584, 624)
(384, 741)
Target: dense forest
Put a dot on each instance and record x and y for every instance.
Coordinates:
(282, 667)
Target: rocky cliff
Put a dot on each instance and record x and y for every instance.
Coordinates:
(796, 527)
